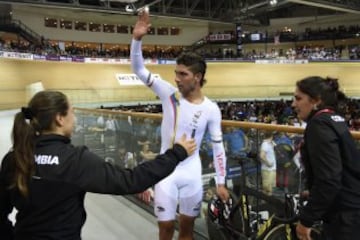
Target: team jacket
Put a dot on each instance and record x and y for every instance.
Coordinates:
(332, 166)
(64, 173)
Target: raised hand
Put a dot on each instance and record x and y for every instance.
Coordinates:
(142, 25)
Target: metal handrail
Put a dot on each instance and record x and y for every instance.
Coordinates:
(239, 124)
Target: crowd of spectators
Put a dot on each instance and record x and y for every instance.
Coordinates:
(145, 135)
(301, 52)
(42, 48)
(117, 52)
(320, 52)
(311, 52)
(46, 48)
(262, 111)
(304, 52)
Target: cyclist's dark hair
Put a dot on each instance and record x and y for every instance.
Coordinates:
(324, 89)
(31, 121)
(195, 62)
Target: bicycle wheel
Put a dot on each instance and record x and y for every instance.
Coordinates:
(280, 232)
(285, 232)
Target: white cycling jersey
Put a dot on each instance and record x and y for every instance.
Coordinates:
(181, 116)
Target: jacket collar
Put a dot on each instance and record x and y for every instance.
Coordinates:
(317, 112)
(48, 139)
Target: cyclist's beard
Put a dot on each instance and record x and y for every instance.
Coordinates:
(188, 89)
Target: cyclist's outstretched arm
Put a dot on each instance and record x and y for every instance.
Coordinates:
(161, 88)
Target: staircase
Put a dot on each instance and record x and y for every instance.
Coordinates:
(15, 26)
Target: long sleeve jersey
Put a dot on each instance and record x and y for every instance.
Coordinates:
(54, 208)
(181, 116)
(332, 166)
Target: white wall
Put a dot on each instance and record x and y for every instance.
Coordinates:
(33, 17)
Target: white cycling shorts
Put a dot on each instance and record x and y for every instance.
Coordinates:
(181, 188)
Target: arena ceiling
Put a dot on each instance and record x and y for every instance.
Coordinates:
(255, 12)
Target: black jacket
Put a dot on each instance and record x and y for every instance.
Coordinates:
(64, 173)
(332, 166)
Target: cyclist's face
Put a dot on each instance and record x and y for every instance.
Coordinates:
(185, 80)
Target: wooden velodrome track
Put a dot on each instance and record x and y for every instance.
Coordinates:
(89, 83)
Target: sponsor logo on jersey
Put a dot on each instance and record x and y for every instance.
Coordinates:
(160, 209)
(47, 160)
(195, 118)
(220, 160)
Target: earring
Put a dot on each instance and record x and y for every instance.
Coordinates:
(315, 107)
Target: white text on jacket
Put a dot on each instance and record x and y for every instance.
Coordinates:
(47, 160)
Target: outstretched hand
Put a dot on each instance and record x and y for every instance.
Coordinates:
(222, 192)
(189, 145)
(142, 25)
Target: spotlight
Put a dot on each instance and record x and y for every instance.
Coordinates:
(273, 2)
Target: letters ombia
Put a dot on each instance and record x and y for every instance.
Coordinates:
(46, 160)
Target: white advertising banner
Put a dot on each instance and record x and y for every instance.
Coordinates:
(16, 55)
(130, 79)
(282, 61)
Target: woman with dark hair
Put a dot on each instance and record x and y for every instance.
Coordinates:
(45, 177)
(331, 160)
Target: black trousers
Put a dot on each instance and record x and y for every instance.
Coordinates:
(344, 225)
